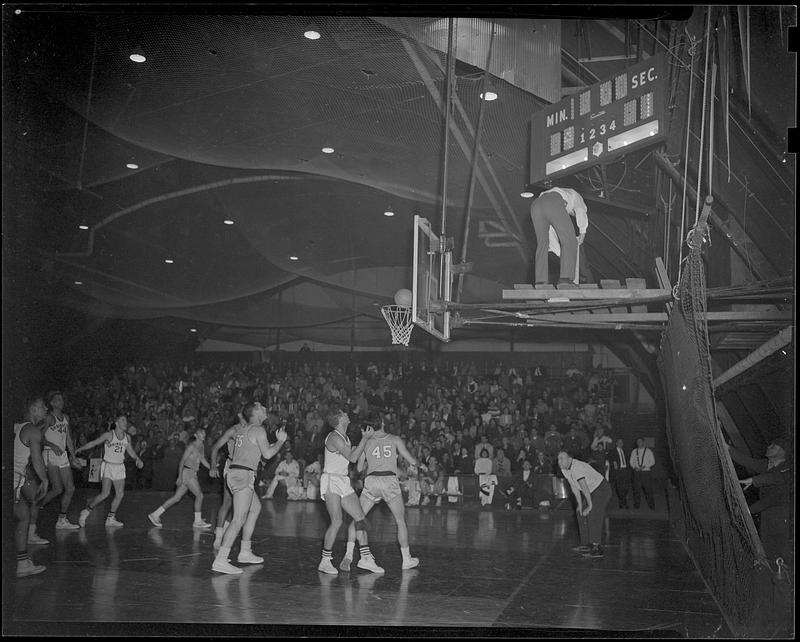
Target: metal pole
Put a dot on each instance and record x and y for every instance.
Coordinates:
(471, 189)
(448, 102)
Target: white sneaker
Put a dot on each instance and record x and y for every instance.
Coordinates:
(112, 521)
(224, 566)
(368, 564)
(82, 517)
(64, 524)
(326, 566)
(201, 524)
(33, 538)
(248, 557)
(27, 567)
(345, 564)
(154, 519)
(412, 562)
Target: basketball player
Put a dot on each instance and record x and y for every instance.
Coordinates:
(380, 459)
(112, 470)
(193, 456)
(225, 440)
(337, 491)
(249, 446)
(30, 480)
(57, 448)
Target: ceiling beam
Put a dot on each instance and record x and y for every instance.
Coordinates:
(783, 338)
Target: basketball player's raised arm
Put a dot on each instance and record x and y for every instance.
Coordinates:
(106, 436)
(352, 454)
(401, 448)
(268, 451)
(362, 462)
(230, 432)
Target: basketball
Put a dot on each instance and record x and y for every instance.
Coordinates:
(403, 297)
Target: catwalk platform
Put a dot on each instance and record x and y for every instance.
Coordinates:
(509, 572)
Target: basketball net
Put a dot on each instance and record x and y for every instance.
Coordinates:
(399, 319)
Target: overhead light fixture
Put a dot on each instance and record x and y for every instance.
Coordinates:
(137, 55)
(312, 32)
(192, 329)
(78, 282)
(490, 93)
(328, 149)
(526, 193)
(131, 166)
(294, 258)
(83, 227)
(228, 221)
(389, 211)
(169, 261)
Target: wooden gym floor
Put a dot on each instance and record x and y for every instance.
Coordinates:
(509, 571)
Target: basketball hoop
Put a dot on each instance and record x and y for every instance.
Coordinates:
(399, 319)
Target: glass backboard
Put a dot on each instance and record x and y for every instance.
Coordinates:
(433, 281)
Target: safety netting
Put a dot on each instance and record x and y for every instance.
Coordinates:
(712, 516)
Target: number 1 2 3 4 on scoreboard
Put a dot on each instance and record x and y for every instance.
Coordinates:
(601, 123)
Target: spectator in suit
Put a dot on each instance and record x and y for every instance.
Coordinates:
(464, 464)
(619, 473)
(642, 461)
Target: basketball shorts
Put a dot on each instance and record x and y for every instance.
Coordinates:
(335, 484)
(114, 472)
(383, 487)
(58, 461)
(188, 474)
(239, 479)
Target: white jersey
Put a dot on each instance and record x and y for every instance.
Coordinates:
(115, 449)
(335, 462)
(22, 453)
(57, 433)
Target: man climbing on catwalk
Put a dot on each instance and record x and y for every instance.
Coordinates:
(550, 214)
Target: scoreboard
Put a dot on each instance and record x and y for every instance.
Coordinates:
(603, 122)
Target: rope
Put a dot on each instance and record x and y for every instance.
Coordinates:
(692, 50)
(703, 119)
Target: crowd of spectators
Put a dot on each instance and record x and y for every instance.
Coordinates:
(450, 417)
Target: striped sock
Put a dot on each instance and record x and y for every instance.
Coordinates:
(327, 554)
(364, 551)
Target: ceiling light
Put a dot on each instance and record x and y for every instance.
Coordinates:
(83, 227)
(293, 258)
(389, 211)
(328, 150)
(170, 261)
(526, 194)
(491, 93)
(228, 221)
(131, 166)
(137, 55)
(312, 32)
(78, 282)
(192, 329)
